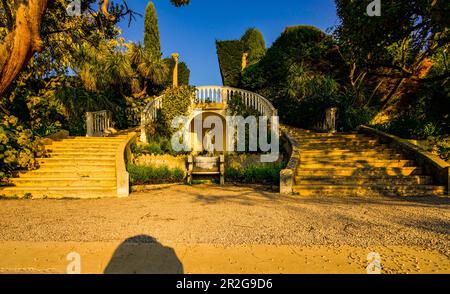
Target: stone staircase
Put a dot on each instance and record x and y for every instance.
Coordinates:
(358, 165)
(76, 167)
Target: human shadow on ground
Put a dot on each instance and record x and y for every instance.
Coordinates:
(144, 255)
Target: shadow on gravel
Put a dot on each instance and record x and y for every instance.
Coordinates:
(144, 255)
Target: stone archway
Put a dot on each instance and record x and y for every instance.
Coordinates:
(198, 130)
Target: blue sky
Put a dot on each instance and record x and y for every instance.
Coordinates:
(193, 29)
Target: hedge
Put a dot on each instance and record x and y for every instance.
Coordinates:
(230, 61)
(254, 45)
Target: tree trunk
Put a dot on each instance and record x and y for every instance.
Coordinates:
(22, 42)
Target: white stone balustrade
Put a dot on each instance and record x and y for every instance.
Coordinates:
(211, 94)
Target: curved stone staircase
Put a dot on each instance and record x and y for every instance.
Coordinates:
(355, 164)
(77, 167)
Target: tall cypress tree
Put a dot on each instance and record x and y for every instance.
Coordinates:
(151, 31)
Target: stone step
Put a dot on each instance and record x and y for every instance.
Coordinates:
(346, 148)
(86, 149)
(324, 163)
(82, 155)
(332, 152)
(93, 139)
(335, 140)
(363, 180)
(60, 192)
(331, 139)
(74, 144)
(311, 135)
(339, 141)
(401, 171)
(367, 190)
(64, 182)
(76, 162)
(66, 171)
(351, 157)
(343, 145)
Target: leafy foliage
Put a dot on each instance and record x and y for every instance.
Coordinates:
(300, 74)
(142, 175)
(156, 146)
(176, 103)
(268, 173)
(18, 147)
(408, 32)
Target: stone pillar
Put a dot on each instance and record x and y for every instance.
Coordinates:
(286, 181)
(244, 60)
(175, 57)
(144, 128)
(89, 124)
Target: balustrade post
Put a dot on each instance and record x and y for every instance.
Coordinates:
(89, 124)
(224, 96)
(143, 128)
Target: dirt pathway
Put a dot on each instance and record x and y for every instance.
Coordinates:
(231, 229)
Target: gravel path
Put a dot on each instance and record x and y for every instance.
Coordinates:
(233, 216)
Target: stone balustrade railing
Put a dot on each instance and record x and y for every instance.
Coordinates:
(97, 122)
(149, 115)
(223, 95)
(211, 94)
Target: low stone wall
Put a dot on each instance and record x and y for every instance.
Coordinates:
(432, 164)
(287, 176)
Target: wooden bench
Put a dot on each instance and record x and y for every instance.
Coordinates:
(206, 166)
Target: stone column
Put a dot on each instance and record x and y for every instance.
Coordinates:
(175, 57)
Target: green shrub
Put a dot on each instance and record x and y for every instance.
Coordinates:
(142, 175)
(176, 103)
(156, 146)
(18, 147)
(256, 174)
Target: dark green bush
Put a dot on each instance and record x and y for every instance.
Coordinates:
(143, 175)
(256, 174)
(299, 74)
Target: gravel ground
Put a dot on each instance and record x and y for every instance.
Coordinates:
(231, 216)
